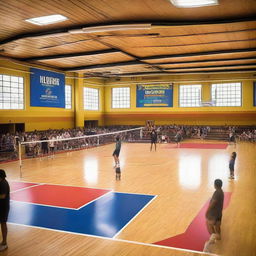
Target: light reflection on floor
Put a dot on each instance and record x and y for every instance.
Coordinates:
(190, 171)
(91, 170)
(218, 167)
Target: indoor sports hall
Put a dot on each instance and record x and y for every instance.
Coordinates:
(117, 118)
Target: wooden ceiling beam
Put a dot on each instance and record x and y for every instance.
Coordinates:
(213, 66)
(109, 65)
(58, 32)
(184, 72)
(142, 60)
(197, 54)
(70, 55)
(203, 61)
(214, 71)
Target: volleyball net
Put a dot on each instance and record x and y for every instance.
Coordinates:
(61, 142)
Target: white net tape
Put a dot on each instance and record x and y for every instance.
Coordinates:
(38, 148)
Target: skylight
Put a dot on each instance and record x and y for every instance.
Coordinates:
(193, 3)
(46, 20)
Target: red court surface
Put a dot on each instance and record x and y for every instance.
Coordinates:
(16, 185)
(196, 234)
(58, 196)
(199, 145)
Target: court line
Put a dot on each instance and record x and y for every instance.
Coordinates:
(60, 185)
(40, 184)
(53, 206)
(93, 200)
(134, 193)
(118, 240)
(110, 189)
(21, 189)
(114, 237)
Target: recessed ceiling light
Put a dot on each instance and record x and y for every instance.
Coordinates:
(46, 20)
(193, 3)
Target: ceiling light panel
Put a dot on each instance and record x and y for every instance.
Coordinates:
(193, 3)
(46, 20)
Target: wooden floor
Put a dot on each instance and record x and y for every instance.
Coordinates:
(182, 179)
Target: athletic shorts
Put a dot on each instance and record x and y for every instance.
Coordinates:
(215, 219)
(4, 214)
(116, 153)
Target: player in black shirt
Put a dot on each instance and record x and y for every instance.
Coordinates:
(4, 208)
(153, 136)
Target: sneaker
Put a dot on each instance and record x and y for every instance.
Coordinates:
(207, 247)
(3, 247)
(213, 238)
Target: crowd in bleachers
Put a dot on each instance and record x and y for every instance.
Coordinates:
(170, 133)
(166, 134)
(248, 134)
(9, 142)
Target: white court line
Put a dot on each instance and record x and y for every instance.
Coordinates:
(118, 240)
(133, 218)
(21, 189)
(133, 193)
(110, 189)
(114, 239)
(53, 206)
(61, 185)
(94, 200)
(39, 184)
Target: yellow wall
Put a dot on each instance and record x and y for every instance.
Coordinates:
(94, 114)
(42, 118)
(56, 118)
(34, 117)
(244, 115)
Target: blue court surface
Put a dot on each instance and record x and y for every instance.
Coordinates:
(105, 216)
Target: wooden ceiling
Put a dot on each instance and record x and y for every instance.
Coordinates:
(219, 38)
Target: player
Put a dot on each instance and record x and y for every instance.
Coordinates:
(232, 138)
(4, 208)
(153, 136)
(178, 138)
(232, 165)
(117, 151)
(52, 145)
(214, 214)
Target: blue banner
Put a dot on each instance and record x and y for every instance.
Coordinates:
(47, 89)
(154, 95)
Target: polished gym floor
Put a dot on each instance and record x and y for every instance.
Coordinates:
(71, 204)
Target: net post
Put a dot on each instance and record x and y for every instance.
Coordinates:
(20, 163)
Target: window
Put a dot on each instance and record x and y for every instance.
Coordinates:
(121, 97)
(11, 92)
(227, 94)
(190, 95)
(91, 98)
(68, 97)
